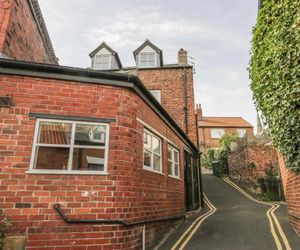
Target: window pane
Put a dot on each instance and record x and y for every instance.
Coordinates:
(176, 156)
(169, 153)
(51, 158)
(90, 135)
(241, 132)
(156, 94)
(88, 159)
(147, 158)
(156, 145)
(176, 169)
(54, 133)
(217, 133)
(156, 162)
(147, 141)
(170, 168)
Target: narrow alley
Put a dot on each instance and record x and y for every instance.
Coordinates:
(233, 221)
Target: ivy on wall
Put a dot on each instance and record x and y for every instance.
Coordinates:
(275, 74)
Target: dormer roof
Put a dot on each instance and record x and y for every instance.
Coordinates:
(114, 53)
(155, 48)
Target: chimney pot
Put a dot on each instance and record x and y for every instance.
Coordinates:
(182, 57)
(199, 111)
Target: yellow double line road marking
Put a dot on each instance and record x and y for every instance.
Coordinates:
(185, 238)
(270, 215)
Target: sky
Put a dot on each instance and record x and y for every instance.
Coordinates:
(216, 33)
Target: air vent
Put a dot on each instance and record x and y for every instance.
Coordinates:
(5, 101)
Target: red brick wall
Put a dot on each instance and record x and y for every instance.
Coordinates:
(207, 142)
(262, 156)
(128, 192)
(19, 35)
(171, 83)
(291, 186)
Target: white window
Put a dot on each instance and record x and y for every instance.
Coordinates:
(173, 161)
(69, 147)
(152, 152)
(217, 133)
(156, 94)
(102, 61)
(241, 132)
(147, 59)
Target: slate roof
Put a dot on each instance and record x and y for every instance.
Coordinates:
(224, 122)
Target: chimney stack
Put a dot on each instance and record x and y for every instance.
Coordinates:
(182, 57)
(199, 112)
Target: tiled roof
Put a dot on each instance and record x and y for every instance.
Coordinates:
(232, 122)
(37, 13)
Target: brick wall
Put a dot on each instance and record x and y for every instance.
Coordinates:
(207, 142)
(291, 186)
(128, 192)
(262, 156)
(171, 83)
(19, 34)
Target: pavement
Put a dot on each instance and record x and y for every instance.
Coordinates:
(231, 221)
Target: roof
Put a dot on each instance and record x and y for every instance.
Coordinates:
(50, 71)
(114, 53)
(148, 43)
(224, 122)
(37, 14)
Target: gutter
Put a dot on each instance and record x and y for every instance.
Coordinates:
(57, 208)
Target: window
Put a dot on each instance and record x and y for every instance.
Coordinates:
(152, 151)
(102, 61)
(173, 161)
(147, 59)
(156, 94)
(69, 147)
(217, 133)
(241, 132)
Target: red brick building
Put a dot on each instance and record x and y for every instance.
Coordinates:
(211, 129)
(89, 159)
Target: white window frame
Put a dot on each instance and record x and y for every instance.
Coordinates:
(102, 56)
(172, 161)
(213, 130)
(155, 91)
(147, 62)
(241, 132)
(71, 146)
(151, 168)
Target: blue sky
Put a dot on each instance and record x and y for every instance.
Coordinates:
(216, 33)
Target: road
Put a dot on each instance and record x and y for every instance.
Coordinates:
(236, 221)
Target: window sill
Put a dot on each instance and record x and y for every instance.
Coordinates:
(66, 172)
(153, 171)
(175, 177)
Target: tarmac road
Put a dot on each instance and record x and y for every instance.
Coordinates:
(235, 222)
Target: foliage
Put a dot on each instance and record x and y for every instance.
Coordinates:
(275, 74)
(208, 158)
(4, 223)
(227, 139)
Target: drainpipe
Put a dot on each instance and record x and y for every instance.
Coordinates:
(144, 238)
(200, 187)
(185, 100)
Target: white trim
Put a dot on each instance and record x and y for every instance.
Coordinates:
(151, 151)
(152, 170)
(70, 146)
(102, 56)
(173, 162)
(147, 61)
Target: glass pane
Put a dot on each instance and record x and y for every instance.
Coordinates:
(147, 158)
(176, 156)
(170, 153)
(176, 169)
(170, 168)
(156, 163)
(93, 135)
(51, 158)
(88, 159)
(156, 145)
(54, 133)
(147, 141)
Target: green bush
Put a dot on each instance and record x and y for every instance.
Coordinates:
(208, 158)
(275, 74)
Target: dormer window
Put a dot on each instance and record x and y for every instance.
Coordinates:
(147, 59)
(102, 61)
